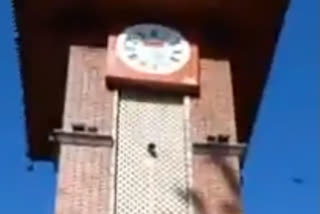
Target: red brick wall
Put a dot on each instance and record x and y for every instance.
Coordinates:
(213, 112)
(85, 171)
(83, 183)
(216, 188)
(87, 99)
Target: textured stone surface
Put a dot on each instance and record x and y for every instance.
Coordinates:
(150, 184)
(83, 186)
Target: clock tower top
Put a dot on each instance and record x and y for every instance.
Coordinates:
(153, 49)
(153, 56)
(243, 32)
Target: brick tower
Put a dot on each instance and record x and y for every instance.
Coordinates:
(145, 106)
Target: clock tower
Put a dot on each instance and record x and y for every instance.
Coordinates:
(146, 107)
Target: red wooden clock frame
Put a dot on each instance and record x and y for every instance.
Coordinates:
(119, 75)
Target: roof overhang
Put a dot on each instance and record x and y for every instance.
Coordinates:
(249, 28)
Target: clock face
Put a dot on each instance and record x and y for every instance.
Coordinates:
(153, 49)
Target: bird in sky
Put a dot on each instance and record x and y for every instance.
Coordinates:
(297, 180)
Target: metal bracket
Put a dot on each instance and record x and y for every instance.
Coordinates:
(82, 138)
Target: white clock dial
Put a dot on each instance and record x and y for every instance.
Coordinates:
(153, 49)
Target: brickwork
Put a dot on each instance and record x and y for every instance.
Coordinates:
(213, 112)
(88, 100)
(83, 184)
(216, 188)
(86, 174)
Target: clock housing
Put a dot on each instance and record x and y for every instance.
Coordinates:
(153, 56)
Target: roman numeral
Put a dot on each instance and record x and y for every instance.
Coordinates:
(154, 33)
(133, 56)
(174, 59)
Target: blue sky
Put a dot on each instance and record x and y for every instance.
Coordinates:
(285, 145)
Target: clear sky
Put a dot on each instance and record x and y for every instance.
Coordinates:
(282, 171)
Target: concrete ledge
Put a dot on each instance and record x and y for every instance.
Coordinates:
(226, 149)
(81, 138)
